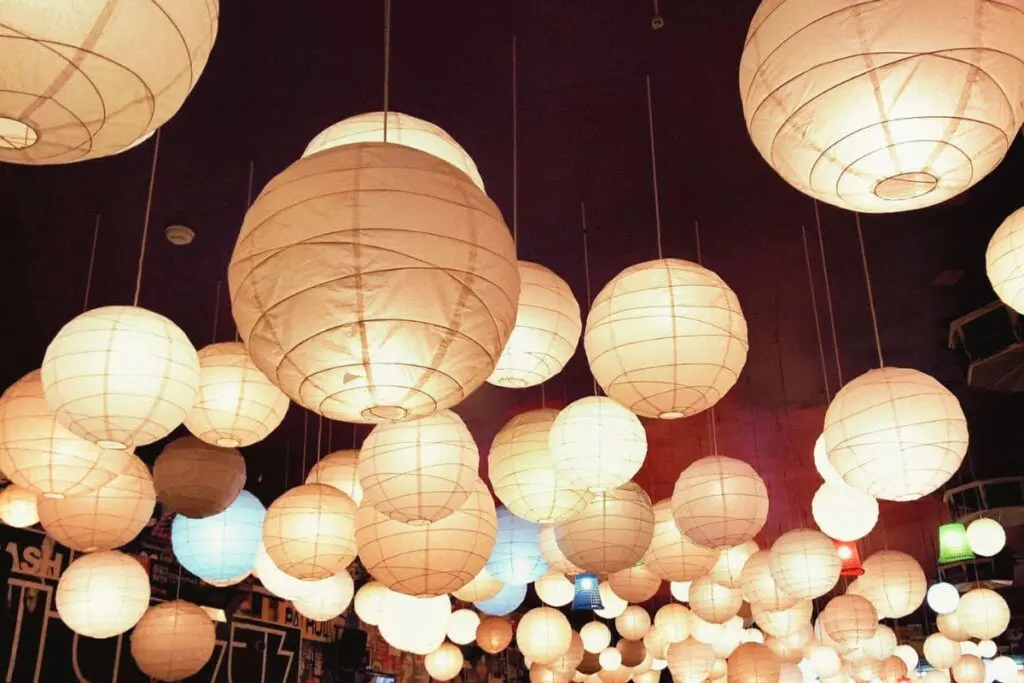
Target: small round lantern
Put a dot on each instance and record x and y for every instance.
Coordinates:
(940, 651)
(894, 582)
(339, 469)
(983, 613)
(635, 584)
(543, 634)
(327, 598)
(102, 594)
(309, 531)
(444, 663)
(850, 620)
(195, 479)
(173, 640)
(844, 513)
(1005, 669)
(554, 589)
(610, 659)
(804, 563)
(516, 558)
(612, 533)
(632, 653)
(462, 626)
(1004, 261)
(909, 656)
(633, 623)
(596, 636)
(369, 602)
(713, 602)
(968, 669)
(416, 625)
(986, 536)
(825, 661)
(482, 587)
(673, 556)
(672, 622)
(720, 502)
(19, 507)
(223, 546)
(494, 634)
(597, 444)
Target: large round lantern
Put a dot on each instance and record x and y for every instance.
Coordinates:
(19, 507)
(418, 258)
(543, 634)
(940, 651)
(223, 546)
(760, 587)
(844, 513)
(612, 533)
(672, 622)
(237, 405)
(968, 669)
(753, 663)
(895, 434)
(986, 536)
(554, 589)
(983, 613)
(516, 559)
(444, 663)
(339, 469)
(327, 598)
(100, 80)
(713, 602)
(493, 634)
(633, 623)
(596, 636)
(894, 582)
(483, 586)
(416, 625)
(121, 376)
(666, 338)
(635, 584)
(728, 570)
(1004, 261)
(673, 556)
(1005, 670)
(462, 625)
(195, 479)
(869, 112)
(421, 470)
(505, 601)
(951, 626)
(428, 559)
(103, 594)
(597, 444)
(690, 661)
(309, 531)
(369, 602)
(523, 474)
(720, 502)
(173, 640)
(849, 620)
(804, 563)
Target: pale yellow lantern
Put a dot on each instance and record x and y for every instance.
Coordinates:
(444, 663)
(103, 594)
(284, 586)
(635, 584)
(237, 405)
(825, 661)
(523, 474)
(539, 673)
(462, 626)
(753, 663)
(326, 598)
(18, 507)
(633, 623)
(552, 555)
(610, 659)
(784, 621)
(940, 651)
(417, 257)
(482, 587)
(720, 502)
(416, 625)
(804, 563)
(673, 556)
(596, 444)
(567, 662)
(121, 376)
(666, 338)
(1004, 669)
(844, 513)
(99, 80)
(339, 469)
(880, 645)
(612, 533)
(369, 601)
(650, 676)
(986, 536)
(596, 636)
(896, 434)
(310, 531)
(40, 455)
(951, 626)
(784, 649)
(655, 643)
(850, 620)
(680, 590)
(428, 559)
(173, 640)
(1004, 261)
(909, 656)
(421, 470)
(728, 570)
(894, 582)
(494, 634)
(713, 602)
(936, 676)
(983, 613)
(554, 589)
(104, 519)
(690, 661)
(968, 669)
(196, 479)
(758, 585)
(868, 112)
(866, 670)
(672, 622)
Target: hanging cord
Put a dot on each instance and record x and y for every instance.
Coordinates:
(287, 461)
(319, 435)
(828, 292)
(654, 166)
(586, 268)
(92, 262)
(515, 146)
(145, 222)
(543, 397)
(817, 320)
(711, 412)
(330, 436)
(387, 64)
(871, 296)
(305, 442)
(216, 310)
(248, 205)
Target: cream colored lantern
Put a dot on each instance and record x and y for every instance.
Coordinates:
(666, 338)
(195, 479)
(539, 673)
(824, 660)
(554, 589)
(310, 533)
(850, 620)
(680, 590)
(444, 663)
(237, 405)
(546, 333)
(597, 444)
(655, 643)
(369, 602)
(893, 670)
(909, 656)
(523, 474)
(552, 555)
(968, 669)
(821, 463)
(612, 533)
(416, 625)
(728, 570)
(672, 622)
(753, 663)
(940, 651)
(713, 602)
(894, 582)
(339, 469)
(173, 640)
(494, 634)
(690, 661)
(1004, 261)
(804, 563)
(1004, 669)
(633, 623)
(844, 513)
(983, 613)
(759, 586)
(618, 675)
(784, 621)
(100, 80)
(720, 502)
(421, 470)
(613, 604)
(543, 634)
(936, 676)
(462, 626)
(869, 112)
(880, 645)
(284, 586)
(986, 536)
(103, 594)
(419, 259)
(896, 434)
(121, 376)
(567, 662)
(673, 556)
(635, 584)
(482, 587)
(327, 598)
(950, 626)
(104, 519)
(40, 455)
(610, 659)
(19, 507)
(596, 636)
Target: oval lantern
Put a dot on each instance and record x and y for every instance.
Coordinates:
(102, 594)
(633, 623)
(309, 531)
(894, 582)
(482, 587)
(223, 546)
(462, 625)
(753, 663)
(597, 444)
(444, 663)
(173, 640)
(416, 625)
(493, 634)
(804, 563)
(986, 536)
(19, 508)
(968, 669)
(195, 479)
(844, 513)
(612, 533)
(713, 602)
(339, 469)
(327, 598)
(1004, 261)
(610, 659)
(983, 613)
(673, 556)
(635, 584)
(516, 559)
(543, 634)
(700, 508)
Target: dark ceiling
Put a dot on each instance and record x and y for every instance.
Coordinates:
(281, 72)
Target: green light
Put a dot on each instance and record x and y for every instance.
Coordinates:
(953, 546)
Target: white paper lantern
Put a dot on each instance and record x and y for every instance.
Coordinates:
(728, 570)
(516, 558)
(1004, 669)
(844, 513)
(339, 469)
(173, 640)
(417, 257)
(482, 587)
(759, 586)
(825, 661)
(985, 648)
(613, 604)
(673, 556)
(18, 507)
(656, 643)
(753, 663)
(633, 623)
(120, 376)
(784, 621)
(968, 669)
(195, 479)
(369, 602)
(850, 620)
(804, 563)
(983, 613)
(543, 634)
(416, 625)
(880, 645)
(103, 594)
(896, 434)
(680, 590)
(672, 622)
(309, 531)
(1004, 260)
(596, 636)
(713, 602)
(943, 597)
(40, 455)
(610, 659)
(824, 466)
(752, 635)
(444, 663)
(554, 589)
(612, 533)
(327, 598)
(539, 673)
(421, 470)
(494, 634)
(909, 656)
(720, 502)
(462, 626)
(940, 651)
(986, 536)
(690, 661)
(284, 586)
(894, 582)
(635, 584)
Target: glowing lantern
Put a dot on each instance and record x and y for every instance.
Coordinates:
(339, 469)
(950, 626)
(880, 645)
(986, 536)
(759, 586)
(552, 555)
(539, 673)
(953, 544)
(613, 604)
(894, 582)
(673, 556)
(369, 602)
(482, 587)
(416, 625)
(968, 669)
(103, 594)
(784, 621)
(713, 602)
(596, 444)
(507, 600)
(635, 584)
(516, 559)
(632, 653)
(173, 640)
(567, 662)
(617, 675)
(18, 507)
(610, 659)
(690, 661)
(444, 663)
(554, 589)
(850, 620)
(596, 636)
(195, 479)
(1004, 669)
(587, 593)
(983, 613)
(943, 597)
(849, 555)
(633, 623)
(825, 661)
(844, 513)
(908, 655)
(284, 586)
(753, 663)
(327, 598)
(720, 502)
(821, 463)
(655, 643)
(894, 670)
(728, 570)
(494, 634)
(680, 590)
(672, 622)
(804, 563)
(936, 676)
(543, 634)
(985, 648)
(309, 531)
(462, 626)
(1003, 261)
(612, 533)
(223, 546)
(940, 651)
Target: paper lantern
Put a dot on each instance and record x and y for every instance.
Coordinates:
(618, 675)
(612, 533)
(787, 648)
(444, 663)
(18, 507)
(849, 619)
(277, 582)
(713, 602)
(896, 434)
(416, 625)
(655, 643)
(554, 589)
(120, 376)
(340, 470)
(759, 586)
(223, 546)
(173, 640)
(953, 544)
(718, 671)
(753, 663)
(869, 113)
(610, 659)
(494, 634)
(106, 518)
(894, 582)
(635, 584)
(327, 598)
(866, 670)
(804, 563)
(680, 590)
(523, 474)
(909, 656)
(596, 636)
(940, 651)
(1003, 261)
(790, 673)
(986, 536)
(587, 593)
(546, 332)
(673, 622)
(309, 531)
(418, 257)
(951, 626)
(462, 625)
(983, 613)
(824, 467)
(195, 479)
(516, 559)
(943, 597)
(102, 594)
(633, 623)
(539, 673)
(673, 556)
(40, 455)
(825, 661)
(969, 647)
(552, 555)
(844, 513)
(543, 634)
(728, 569)
(893, 670)
(1004, 669)
(985, 648)
(567, 662)
(752, 635)
(720, 502)
(690, 661)
(647, 677)
(507, 600)
(880, 645)
(632, 654)
(369, 602)
(596, 444)
(935, 676)
(784, 621)
(121, 75)
(968, 669)
(728, 638)
(613, 605)
(482, 587)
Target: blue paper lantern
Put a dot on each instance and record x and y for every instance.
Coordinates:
(516, 558)
(507, 600)
(221, 547)
(588, 593)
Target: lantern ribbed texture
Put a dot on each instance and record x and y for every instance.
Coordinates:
(444, 663)
(612, 533)
(940, 651)
(613, 604)
(416, 625)
(804, 563)
(983, 613)
(101, 595)
(720, 502)
(462, 625)
(986, 536)
(633, 623)
(99, 79)
(523, 475)
(18, 507)
(896, 434)
(666, 338)
(880, 645)
(894, 583)
(483, 586)
(173, 640)
(671, 555)
(672, 622)
(844, 513)
(493, 634)
(850, 620)
(106, 518)
(894, 109)
(223, 546)
(597, 444)
(310, 531)
(417, 257)
(237, 405)
(554, 589)
(421, 470)
(567, 662)
(1004, 261)
(728, 570)
(713, 602)
(690, 661)
(784, 621)
(404, 130)
(968, 669)
(552, 554)
(369, 601)
(635, 584)
(546, 332)
(596, 636)
(327, 599)
(516, 558)
(505, 601)
(428, 559)
(39, 454)
(121, 376)
(758, 585)
(753, 663)
(195, 479)
(543, 634)
(339, 469)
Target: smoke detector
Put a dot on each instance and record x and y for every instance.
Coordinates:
(179, 235)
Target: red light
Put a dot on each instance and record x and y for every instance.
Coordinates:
(844, 552)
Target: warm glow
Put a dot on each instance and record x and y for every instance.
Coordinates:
(462, 626)
(554, 589)
(672, 622)
(612, 533)
(983, 613)
(894, 583)
(673, 556)
(494, 634)
(597, 444)
(850, 620)
(758, 585)
(543, 634)
(635, 584)
(339, 469)
(327, 598)
(444, 663)
(633, 623)
(102, 594)
(369, 602)
(844, 513)
(690, 661)
(943, 597)
(804, 563)
(728, 570)
(753, 663)
(713, 602)
(986, 536)
(482, 587)
(18, 507)
(1004, 261)
(613, 604)
(596, 636)
(416, 625)
(310, 531)
(940, 651)
(173, 640)
(720, 502)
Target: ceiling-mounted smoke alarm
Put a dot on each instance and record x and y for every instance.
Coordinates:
(179, 235)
